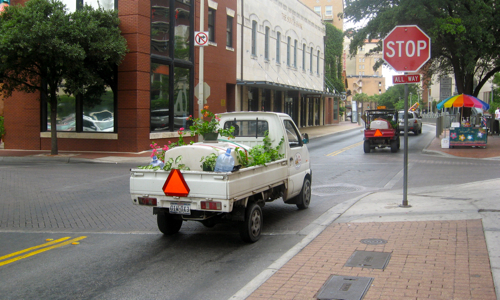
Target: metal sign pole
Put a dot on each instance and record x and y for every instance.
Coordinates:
(201, 80)
(405, 176)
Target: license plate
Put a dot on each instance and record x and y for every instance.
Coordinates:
(180, 208)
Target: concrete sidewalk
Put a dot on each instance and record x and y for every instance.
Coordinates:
(445, 246)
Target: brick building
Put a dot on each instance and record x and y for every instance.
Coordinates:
(150, 103)
(156, 88)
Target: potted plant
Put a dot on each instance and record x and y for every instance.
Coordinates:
(2, 129)
(209, 128)
(208, 162)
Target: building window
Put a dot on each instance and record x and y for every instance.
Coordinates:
(303, 57)
(288, 45)
(311, 60)
(254, 38)
(317, 9)
(295, 54)
(266, 45)
(229, 32)
(278, 43)
(211, 24)
(172, 70)
(317, 64)
(160, 28)
(379, 83)
(328, 10)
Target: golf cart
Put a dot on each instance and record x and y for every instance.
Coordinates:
(381, 129)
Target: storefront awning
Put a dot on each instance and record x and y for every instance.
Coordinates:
(284, 87)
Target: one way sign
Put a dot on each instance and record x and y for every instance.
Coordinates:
(201, 38)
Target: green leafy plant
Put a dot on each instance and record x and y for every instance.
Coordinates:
(260, 154)
(2, 128)
(169, 165)
(211, 125)
(208, 162)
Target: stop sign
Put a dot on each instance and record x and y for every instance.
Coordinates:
(407, 48)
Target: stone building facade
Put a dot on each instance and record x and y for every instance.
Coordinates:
(280, 62)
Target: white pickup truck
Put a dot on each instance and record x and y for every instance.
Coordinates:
(238, 196)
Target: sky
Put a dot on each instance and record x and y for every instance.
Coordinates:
(387, 71)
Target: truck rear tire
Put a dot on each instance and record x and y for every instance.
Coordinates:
(251, 228)
(394, 146)
(304, 198)
(168, 224)
(366, 146)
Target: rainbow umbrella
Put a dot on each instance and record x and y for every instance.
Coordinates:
(463, 100)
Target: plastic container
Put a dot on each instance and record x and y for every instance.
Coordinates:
(155, 162)
(225, 162)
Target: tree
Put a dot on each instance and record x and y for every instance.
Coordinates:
(464, 34)
(360, 98)
(43, 46)
(496, 95)
(394, 96)
(333, 57)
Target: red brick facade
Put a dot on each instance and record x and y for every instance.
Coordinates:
(132, 133)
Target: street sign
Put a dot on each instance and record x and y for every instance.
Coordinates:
(201, 38)
(398, 79)
(406, 48)
(206, 90)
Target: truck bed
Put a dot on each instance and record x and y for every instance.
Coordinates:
(204, 185)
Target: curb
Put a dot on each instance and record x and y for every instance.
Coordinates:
(315, 229)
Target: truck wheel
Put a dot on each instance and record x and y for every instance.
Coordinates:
(394, 146)
(304, 198)
(251, 228)
(167, 224)
(366, 147)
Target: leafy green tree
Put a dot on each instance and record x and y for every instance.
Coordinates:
(464, 34)
(395, 95)
(333, 57)
(361, 98)
(496, 95)
(44, 46)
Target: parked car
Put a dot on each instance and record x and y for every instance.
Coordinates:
(90, 124)
(414, 122)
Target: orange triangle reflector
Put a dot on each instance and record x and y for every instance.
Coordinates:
(378, 133)
(175, 185)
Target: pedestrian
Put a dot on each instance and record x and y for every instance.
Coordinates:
(497, 113)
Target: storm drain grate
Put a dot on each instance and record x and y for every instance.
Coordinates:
(369, 259)
(373, 241)
(344, 287)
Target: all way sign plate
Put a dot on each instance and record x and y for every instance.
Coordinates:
(398, 79)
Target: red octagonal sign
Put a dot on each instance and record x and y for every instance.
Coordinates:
(407, 48)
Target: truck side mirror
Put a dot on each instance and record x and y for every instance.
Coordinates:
(305, 138)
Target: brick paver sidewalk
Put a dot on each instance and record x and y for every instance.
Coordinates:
(429, 260)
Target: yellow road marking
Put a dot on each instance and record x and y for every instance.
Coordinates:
(38, 251)
(345, 149)
(33, 248)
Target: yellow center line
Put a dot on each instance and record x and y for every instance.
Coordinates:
(38, 251)
(33, 248)
(345, 149)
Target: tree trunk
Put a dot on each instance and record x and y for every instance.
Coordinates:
(53, 125)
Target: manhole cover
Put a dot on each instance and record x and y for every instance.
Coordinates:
(344, 287)
(369, 259)
(326, 190)
(373, 241)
